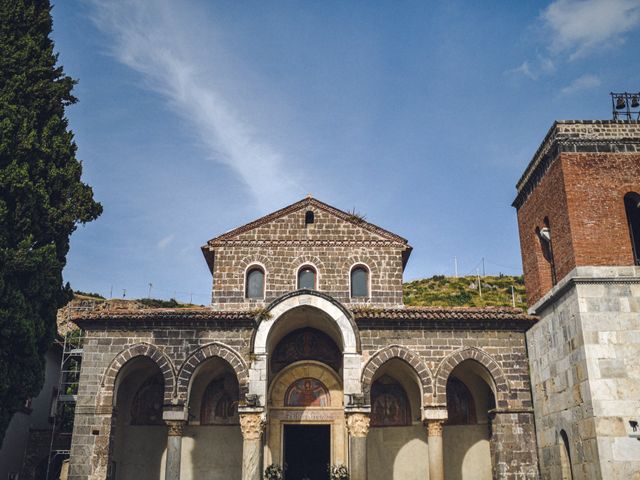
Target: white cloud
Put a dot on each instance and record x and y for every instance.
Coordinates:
(578, 27)
(149, 38)
(584, 82)
(534, 69)
(165, 242)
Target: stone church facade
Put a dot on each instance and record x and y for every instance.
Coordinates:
(307, 356)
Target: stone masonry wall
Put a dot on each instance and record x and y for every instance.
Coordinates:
(438, 345)
(513, 433)
(90, 445)
(330, 244)
(585, 371)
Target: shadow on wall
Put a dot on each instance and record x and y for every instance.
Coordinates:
(466, 452)
(141, 436)
(212, 442)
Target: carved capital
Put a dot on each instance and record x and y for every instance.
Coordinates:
(358, 424)
(434, 428)
(176, 427)
(252, 425)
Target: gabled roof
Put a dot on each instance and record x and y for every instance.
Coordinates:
(307, 202)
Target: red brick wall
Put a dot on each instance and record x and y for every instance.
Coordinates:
(583, 196)
(596, 185)
(548, 199)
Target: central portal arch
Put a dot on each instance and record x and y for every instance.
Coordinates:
(300, 309)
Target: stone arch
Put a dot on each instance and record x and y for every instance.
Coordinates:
(339, 314)
(500, 382)
(302, 260)
(257, 258)
(352, 260)
(204, 353)
(410, 358)
(107, 387)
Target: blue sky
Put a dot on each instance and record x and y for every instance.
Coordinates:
(195, 117)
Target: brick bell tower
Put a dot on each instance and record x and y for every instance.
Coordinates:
(578, 206)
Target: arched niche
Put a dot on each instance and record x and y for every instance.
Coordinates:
(140, 434)
(394, 446)
(212, 439)
(470, 397)
(305, 309)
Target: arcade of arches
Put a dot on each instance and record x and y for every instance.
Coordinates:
(306, 399)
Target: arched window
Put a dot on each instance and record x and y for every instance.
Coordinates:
(359, 282)
(254, 287)
(632, 206)
(309, 217)
(544, 235)
(307, 278)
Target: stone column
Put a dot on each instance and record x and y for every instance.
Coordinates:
(252, 425)
(358, 426)
(436, 455)
(174, 449)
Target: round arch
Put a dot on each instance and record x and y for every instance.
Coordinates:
(499, 383)
(410, 358)
(108, 385)
(211, 350)
(336, 312)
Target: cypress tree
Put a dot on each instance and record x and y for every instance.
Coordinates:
(42, 198)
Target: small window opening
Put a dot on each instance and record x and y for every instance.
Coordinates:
(255, 283)
(307, 278)
(309, 217)
(565, 456)
(359, 282)
(544, 235)
(632, 207)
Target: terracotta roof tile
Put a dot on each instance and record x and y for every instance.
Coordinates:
(443, 313)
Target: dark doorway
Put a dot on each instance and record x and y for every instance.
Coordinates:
(306, 451)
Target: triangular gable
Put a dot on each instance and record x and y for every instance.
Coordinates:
(306, 203)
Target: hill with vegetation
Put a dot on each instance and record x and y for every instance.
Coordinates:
(441, 291)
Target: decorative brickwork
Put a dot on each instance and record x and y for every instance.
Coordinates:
(456, 358)
(204, 353)
(404, 354)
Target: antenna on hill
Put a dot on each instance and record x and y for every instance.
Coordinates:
(626, 106)
(455, 266)
(150, 286)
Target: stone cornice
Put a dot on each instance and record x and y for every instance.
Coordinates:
(585, 276)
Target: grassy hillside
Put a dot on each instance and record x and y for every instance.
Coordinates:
(444, 291)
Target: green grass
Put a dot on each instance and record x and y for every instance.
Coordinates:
(444, 291)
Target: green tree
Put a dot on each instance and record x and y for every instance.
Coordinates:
(42, 198)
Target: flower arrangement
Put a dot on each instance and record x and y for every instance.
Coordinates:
(338, 472)
(274, 472)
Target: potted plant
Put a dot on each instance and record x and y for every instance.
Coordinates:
(274, 472)
(338, 472)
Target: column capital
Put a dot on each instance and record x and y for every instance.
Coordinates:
(176, 427)
(434, 428)
(252, 425)
(358, 424)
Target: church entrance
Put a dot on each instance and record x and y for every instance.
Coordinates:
(307, 451)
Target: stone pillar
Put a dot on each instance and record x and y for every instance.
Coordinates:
(358, 426)
(436, 455)
(174, 449)
(252, 425)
